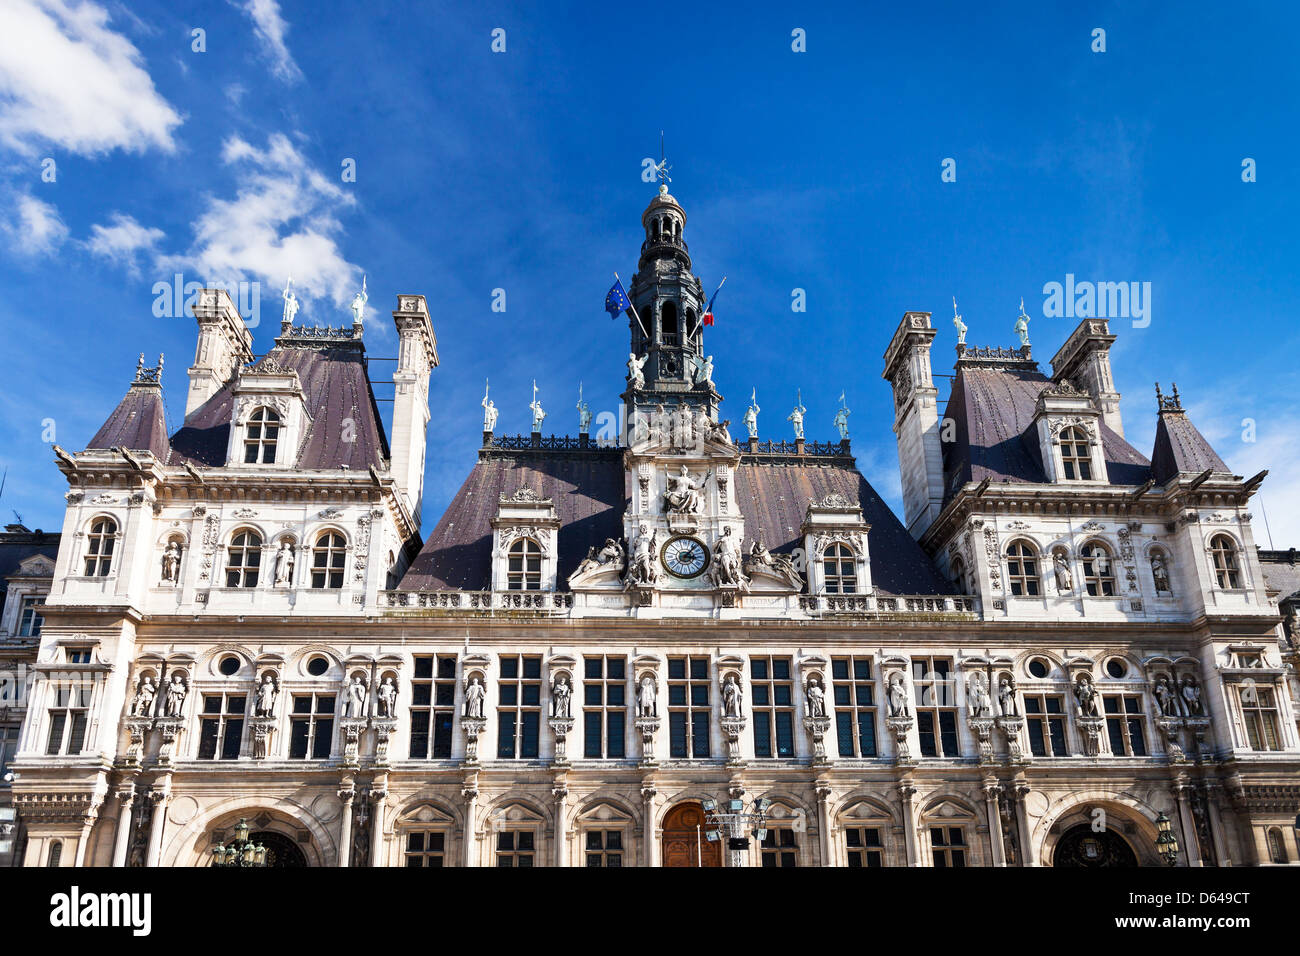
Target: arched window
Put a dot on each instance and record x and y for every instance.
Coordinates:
(261, 437)
(1276, 846)
(668, 323)
(657, 229)
(243, 559)
(99, 547)
(1076, 455)
(1098, 570)
(327, 561)
(1224, 553)
(56, 854)
(840, 569)
(524, 572)
(959, 574)
(1022, 568)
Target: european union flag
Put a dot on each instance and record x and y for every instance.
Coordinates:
(616, 301)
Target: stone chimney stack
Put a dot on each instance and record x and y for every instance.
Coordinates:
(916, 420)
(224, 344)
(417, 356)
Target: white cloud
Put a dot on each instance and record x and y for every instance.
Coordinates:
(270, 29)
(282, 222)
(122, 241)
(37, 229)
(69, 80)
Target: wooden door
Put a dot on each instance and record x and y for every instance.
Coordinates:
(683, 841)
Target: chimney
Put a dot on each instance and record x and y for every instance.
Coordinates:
(916, 420)
(417, 356)
(224, 344)
(1084, 359)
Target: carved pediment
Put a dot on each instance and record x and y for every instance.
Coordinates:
(427, 814)
(37, 566)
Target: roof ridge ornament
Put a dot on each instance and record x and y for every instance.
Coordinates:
(1167, 403)
(148, 376)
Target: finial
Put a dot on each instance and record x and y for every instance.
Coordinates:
(661, 169)
(1177, 400)
(1160, 399)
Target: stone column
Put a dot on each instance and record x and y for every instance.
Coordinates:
(824, 823)
(1191, 845)
(471, 799)
(561, 794)
(378, 800)
(83, 842)
(126, 795)
(1028, 852)
(160, 798)
(998, 851)
(650, 843)
(1212, 805)
(345, 827)
(907, 792)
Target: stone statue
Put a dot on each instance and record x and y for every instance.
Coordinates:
(290, 302)
(726, 560)
(1160, 573)
(490, 412)
(1021, 328)
(176, 691)
(1086, 695)
(978, 700)
(796, 417)
(1064, 579)
(816, 698)
(841, 421)
(354, 704)
(386, 698)
(539, 415)
(1007, 696)
(171, 562)
(641, 569)
(284, 564)
(474, 693)
(717, 431)
(733, 698)
(1164, 696)
(142, 703)
(683, 426)
(1192, 697)
(751, 416)
(782, 564)
(958, 324)
(898, 706)
(359, 304)
(704, 373)
(646, 694)
(685, 496)
(635, 375)
(267, 692)
(584, 417)
(561, 698)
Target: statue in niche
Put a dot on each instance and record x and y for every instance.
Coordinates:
(267, 692)
(684, 495)
(733, 698)
(979, 701)
(284, 561)
(561, 698)
(641, 569)
(142, 702)
(1164, 696)
(1160, 573)
(354, 702)
(386, 698)
(177, 688)
(646, 697)
(1007, 696)
(683, 426)
(897, 694)
(1061, 567)
(1191, 693)
(171, 562)
(474, 694)
(635, 370)
(751, 416)
(816, 698)
(1086, 696)
(660, 425)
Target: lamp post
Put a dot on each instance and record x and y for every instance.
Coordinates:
(730, 821)
(1166, 842)
(241, 851)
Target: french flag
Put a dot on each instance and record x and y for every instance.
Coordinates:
(708, 310)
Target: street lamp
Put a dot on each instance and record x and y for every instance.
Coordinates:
(1166, 842)
(732, 820)
(241, 852)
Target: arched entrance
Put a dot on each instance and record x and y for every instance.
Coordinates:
(1084, 847)
(685, 843)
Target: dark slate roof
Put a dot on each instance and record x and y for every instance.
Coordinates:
(590, 495)
(17, 547)
(336, 387)
(992, 409)
(588, 492)
(1180, 448)
(1281, 572)
(137, 424)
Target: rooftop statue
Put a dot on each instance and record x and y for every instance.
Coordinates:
(958, 324)
(796, 417)
(841, 421)
(290, 302)
(1021, 328)
(359, 304)
(751, 415)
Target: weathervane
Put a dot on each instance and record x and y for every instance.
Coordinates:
(661, 170)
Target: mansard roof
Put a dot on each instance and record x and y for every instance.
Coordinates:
(334, 381)
(992, 408)
(1181, 449)
(137, 424)
(589, 489)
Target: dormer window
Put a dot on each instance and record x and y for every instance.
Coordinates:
(1076, 454)
(840, 568)
(30, 619)
(1098, 570)
(99, 547)
(524, 566)
(1022, 569)
(1224, 554)
(261, 437)
(328, 560)
(243, 559)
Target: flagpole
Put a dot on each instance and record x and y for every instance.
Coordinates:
(706, 308)
(634, 312)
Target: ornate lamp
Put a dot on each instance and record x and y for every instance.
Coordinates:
(1166, 842)
(240, 852)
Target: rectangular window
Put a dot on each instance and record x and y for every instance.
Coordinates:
(780, 848)
(30, 620)
(433, 706)
(948, 846)
(8, 747)
(604, 707)
(1045, 719)
(864, 846)
(1259, 712)
(68, 719)
(515, 848)
(855, 706)
(519, 711)
(1124, 725)
(311, 726)
(425, 848)
(688, 707)
(936, 706)
(221, 725)
(604, 848)
(772, 690)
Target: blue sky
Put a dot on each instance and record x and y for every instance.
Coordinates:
(521, 170)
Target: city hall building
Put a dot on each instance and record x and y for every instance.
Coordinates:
(1066, 652)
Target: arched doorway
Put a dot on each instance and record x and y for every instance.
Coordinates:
(280, 850)
(685, 843)
(1084, 847)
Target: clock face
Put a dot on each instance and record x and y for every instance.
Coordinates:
(685, 557)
